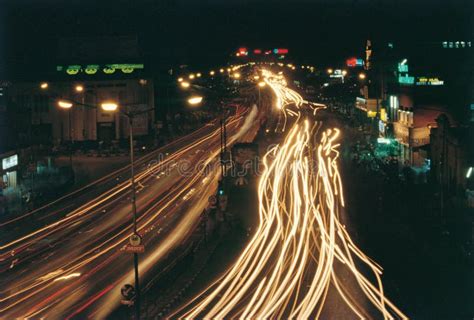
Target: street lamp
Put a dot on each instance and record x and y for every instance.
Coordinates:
(180, 79)
(195, 100)
(64, 104)
(330, 70)
(237, 75)
(79, 88)
(191, 76)
(44, 85)
(109, 106)
(212, 72)
(262, 84)
(198, 74)
(185, 84)
(362, 76)
(221, 70)
(344, 72)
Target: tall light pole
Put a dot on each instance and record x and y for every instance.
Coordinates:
(111, 106)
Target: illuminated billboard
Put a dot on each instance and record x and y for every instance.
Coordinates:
(91, 69)
(355, 62)
(429, 81)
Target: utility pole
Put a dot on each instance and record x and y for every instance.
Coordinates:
(134, 208)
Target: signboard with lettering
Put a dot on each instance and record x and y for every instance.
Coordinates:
(429, 81)
(10, 162)
(406, 79)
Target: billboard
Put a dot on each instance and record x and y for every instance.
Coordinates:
(355, 62)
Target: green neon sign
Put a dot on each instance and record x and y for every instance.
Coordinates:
(406, 79)
(92, 69)
(402, 67)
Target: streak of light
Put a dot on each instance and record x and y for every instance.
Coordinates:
(300, 247)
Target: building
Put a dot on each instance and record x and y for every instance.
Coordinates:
(38, 110)
(89, 71)
(452, 156)
(412, 131)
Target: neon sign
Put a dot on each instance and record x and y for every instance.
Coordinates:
(425, 81)
(92, 69)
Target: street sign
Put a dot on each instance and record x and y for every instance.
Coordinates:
(135, 240)
(128, 291)
(134, 249)
(212, 201)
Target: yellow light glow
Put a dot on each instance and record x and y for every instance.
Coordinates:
(109, 106)
(79, 88)
(221, 70)
(192, 76)
(212, 72)
(362, 76)
(185, 84)
(262, 84)
(330, 70)
(256, 77)
(64, 104)
(344, 72)
(300, 250)
(237, 75)
(195, 100)
(198, 75)
(180, 79)
(44, 85)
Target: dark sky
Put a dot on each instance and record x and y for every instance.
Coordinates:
(205, 32)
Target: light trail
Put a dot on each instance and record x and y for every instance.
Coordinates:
(82, 260)
(300, 248)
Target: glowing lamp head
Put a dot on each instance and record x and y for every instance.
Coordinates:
(237, 75)
(212, 72)
(361, 76)
(198, 75)
(262, 84)
(185, 84)
(330, 70)
(44, 85)
(344, 72)
(109, 106)
(180, 79)
(195, 100)
(79, 88)
(192, 76)
(64, 104)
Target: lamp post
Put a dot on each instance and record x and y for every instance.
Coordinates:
(110, 107)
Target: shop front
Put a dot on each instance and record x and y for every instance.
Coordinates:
(9, 166)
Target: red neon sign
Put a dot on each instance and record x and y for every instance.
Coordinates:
(257, 51)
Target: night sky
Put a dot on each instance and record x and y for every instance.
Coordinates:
(206, 32)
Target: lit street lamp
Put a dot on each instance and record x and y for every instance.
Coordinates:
(330, 70)
(361, 76)
(79, 88)
(185, 84)
(44, 85)
(195, 100)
